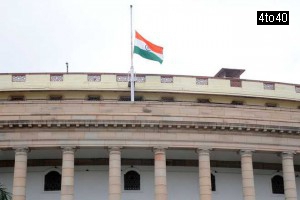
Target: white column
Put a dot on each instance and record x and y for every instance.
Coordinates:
(20, 171)
(289, 176)
(247, 175)
(114, 179)
(160, 174)
(204, 174)
(67, 179)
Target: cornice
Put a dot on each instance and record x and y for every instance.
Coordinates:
(117, 124)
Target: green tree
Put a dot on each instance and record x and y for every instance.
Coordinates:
(4, 194)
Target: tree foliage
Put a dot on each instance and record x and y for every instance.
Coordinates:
(4, 194)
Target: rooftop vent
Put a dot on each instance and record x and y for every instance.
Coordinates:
(229, 73)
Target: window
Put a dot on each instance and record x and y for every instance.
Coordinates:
(235, 83)
(269, 86)
(237, 103)
(271, 105)
(52, 181)
(138, 98)
(277, 185)
(201, 81)
(167, 99)
(203, 100)
(17, 98)
(132, 181)
(19, 78)
(213, 182)
(140, 78)
(128, 98)
(125, 98)
(126, 78)
(55, 98)
(94, 78)
(56, 77)
(93, 98)
(166, 79)
(122, 78)
(297, 88)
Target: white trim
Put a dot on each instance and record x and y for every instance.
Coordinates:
(141, 44)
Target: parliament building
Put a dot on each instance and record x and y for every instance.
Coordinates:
(77, 136)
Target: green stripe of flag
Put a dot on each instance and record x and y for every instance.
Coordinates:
(147, 54)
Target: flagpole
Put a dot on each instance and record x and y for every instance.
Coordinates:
(131, 68)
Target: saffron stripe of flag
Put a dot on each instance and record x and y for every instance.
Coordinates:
(147, 49)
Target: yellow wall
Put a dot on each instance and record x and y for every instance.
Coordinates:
(76, 86)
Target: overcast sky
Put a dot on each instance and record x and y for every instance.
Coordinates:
(199, 37)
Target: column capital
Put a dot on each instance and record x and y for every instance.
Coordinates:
(114, 148)
(288, 154)
(246, 152)
(68, 148)
(203, 150)
(21, 149)
(159, 149)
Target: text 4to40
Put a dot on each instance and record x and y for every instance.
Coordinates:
(272, 17)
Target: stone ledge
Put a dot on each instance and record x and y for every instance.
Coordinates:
(65, 124)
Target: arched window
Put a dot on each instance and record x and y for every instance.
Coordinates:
(52, 181)
(132, 181)
(213, 182)
(277, 185)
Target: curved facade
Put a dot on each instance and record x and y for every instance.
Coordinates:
(76, 136)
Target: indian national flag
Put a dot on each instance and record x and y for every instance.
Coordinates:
(147, 49)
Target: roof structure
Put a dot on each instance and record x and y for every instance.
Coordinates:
(229, 73)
